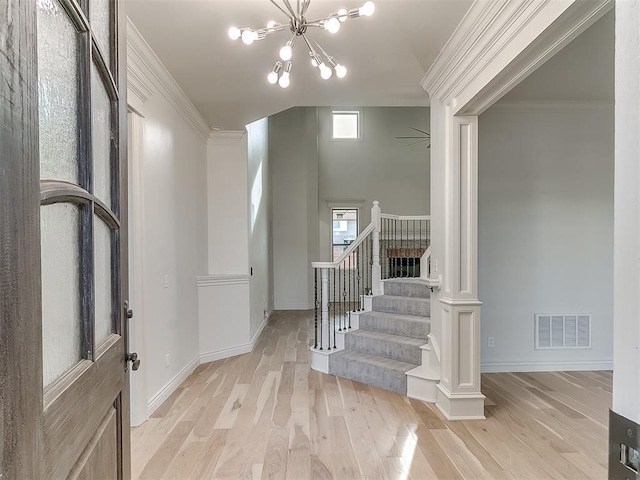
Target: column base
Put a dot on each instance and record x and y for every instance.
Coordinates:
(460, 406)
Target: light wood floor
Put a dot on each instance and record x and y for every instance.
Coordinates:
(267, 415)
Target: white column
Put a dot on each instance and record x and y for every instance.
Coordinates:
(626, 256)
(376, 270)
(459, 395)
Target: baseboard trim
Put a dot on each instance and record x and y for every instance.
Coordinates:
(498, 367)
(171, 386)
(299, 306)
(237, 350)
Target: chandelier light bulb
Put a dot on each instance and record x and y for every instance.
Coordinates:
(272, 78)
(272, 24)
(343, 15)
(284, 81)
(314, 63)
(234, 33)
(249, 36)
(367, 9)
(286, 52)
(332, 25)
(341, 71)
(325, 72)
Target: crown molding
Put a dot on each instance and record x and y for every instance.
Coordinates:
(549, 105)
(499, 43)
(147, 75)
(224, 137)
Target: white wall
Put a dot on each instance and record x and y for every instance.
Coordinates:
(259, 205)
(379, 167)
(293, 156)
(227, 203)
(173, 158)
(626, 376)
(545, 230)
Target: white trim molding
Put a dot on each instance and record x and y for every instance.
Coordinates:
(223, 279)
(547, 366)
(147, 75)
(172, 385)
(499, 43)
(223, 137)
(552, 106)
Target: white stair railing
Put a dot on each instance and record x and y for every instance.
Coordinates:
(390, 246)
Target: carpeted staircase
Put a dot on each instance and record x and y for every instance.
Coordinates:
(389, 339)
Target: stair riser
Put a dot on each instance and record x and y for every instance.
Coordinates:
(396, 351)
(404, 289)
(402, 306)
(376, 376)
(396, 326)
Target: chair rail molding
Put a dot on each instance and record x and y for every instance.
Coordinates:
(223, 279)
(499, 43)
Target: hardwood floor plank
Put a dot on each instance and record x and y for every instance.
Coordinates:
(276, 455)
(268, 415)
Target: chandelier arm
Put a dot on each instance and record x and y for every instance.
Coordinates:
(328, 57)
(289, 7)
(313, 52)
(298, 7)
(305, 5)
(282, 10)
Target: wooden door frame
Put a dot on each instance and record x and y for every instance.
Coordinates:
(20, 301)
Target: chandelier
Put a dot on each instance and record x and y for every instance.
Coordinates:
(297, 24)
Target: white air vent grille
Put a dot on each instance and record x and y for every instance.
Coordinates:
(562, 331)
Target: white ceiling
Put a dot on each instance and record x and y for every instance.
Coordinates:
(581, 71)
(386, 54)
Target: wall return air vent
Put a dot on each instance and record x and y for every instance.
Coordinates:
(562, 331)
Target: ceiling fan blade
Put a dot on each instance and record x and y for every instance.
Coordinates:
(421, 141)
(421, 131)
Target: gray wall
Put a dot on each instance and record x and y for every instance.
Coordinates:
(545, 230)
(259, 202)
(309, 170)
(379, 167)
(293, 155)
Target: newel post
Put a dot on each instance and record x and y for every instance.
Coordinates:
(376, 271)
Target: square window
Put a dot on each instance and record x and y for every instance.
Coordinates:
(346, 125)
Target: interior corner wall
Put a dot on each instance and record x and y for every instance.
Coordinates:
(174, 241)
(545, 232)
(378, 167)
(259, 200)
(293, 158)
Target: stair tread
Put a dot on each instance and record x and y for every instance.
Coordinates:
(423, 371)
(412, 299)
(382, 336)
(400, 316)
(385, 362)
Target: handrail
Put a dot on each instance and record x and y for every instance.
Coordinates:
(405, 217)
(358, 241)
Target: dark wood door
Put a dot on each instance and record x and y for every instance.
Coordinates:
(64, 390)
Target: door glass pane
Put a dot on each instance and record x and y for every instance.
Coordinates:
(61, 316)
(102, 261)
(101, 133)
(99, 18)
(57, 93)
